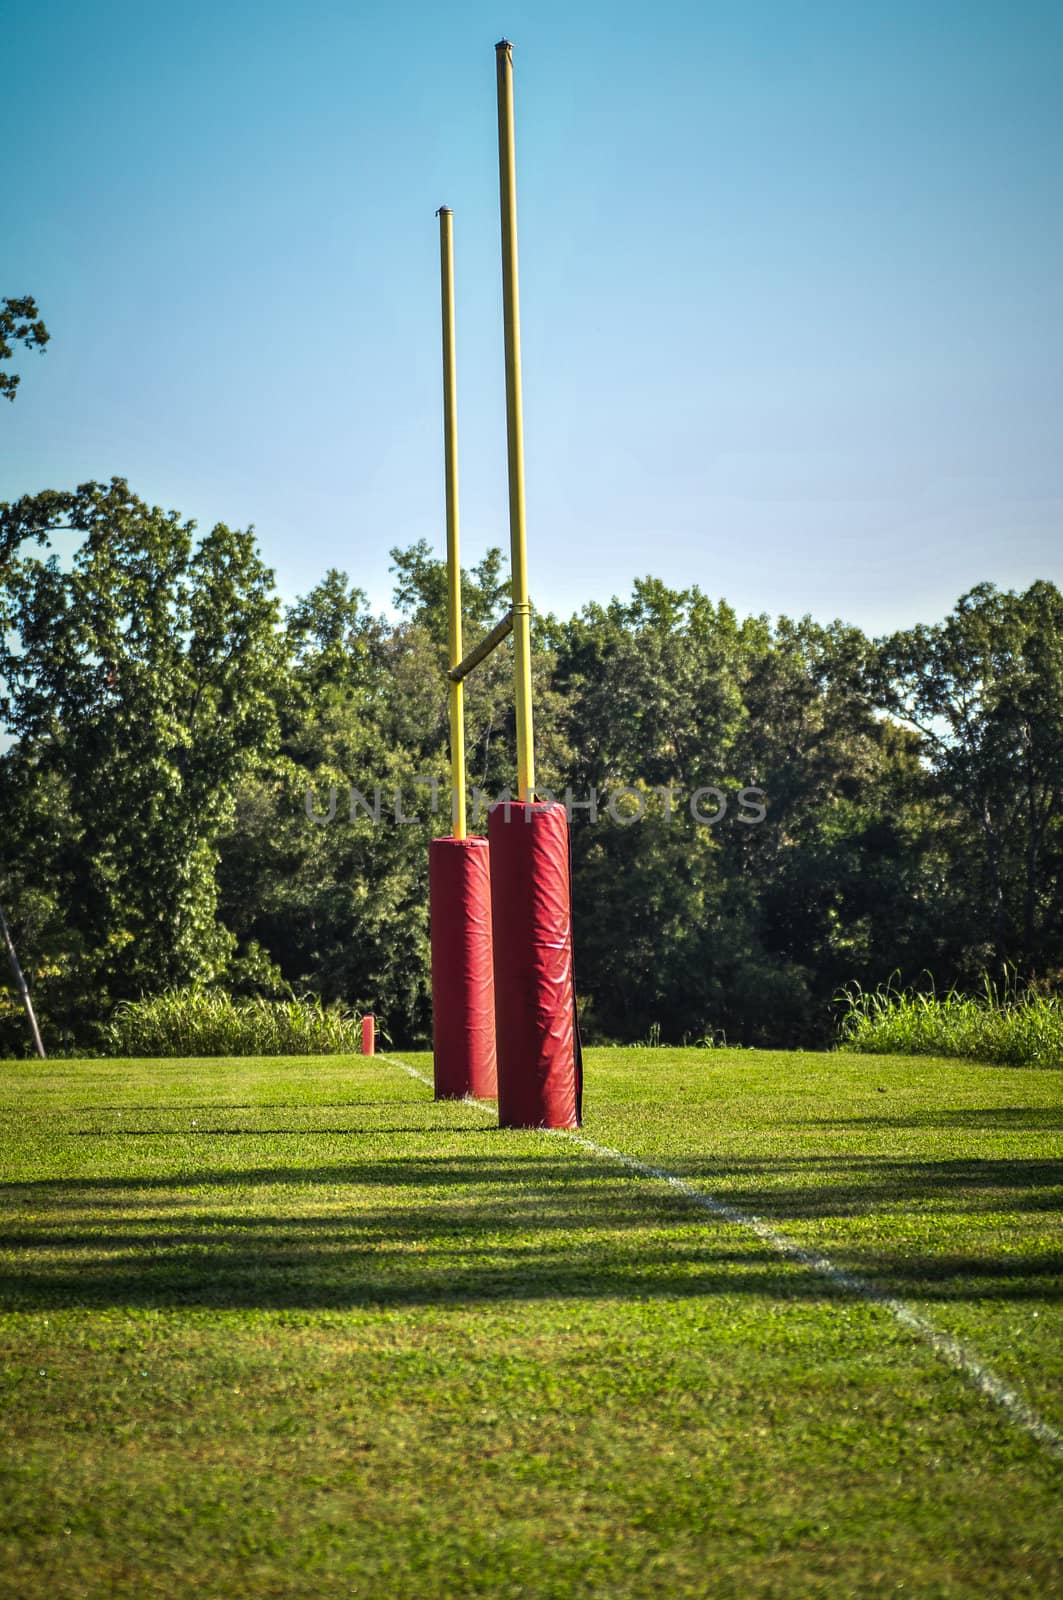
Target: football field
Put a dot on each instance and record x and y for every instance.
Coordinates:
(771, 1325)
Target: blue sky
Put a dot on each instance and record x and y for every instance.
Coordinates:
(791, 276)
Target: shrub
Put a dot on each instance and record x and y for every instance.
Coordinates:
(208, 1022)
(1013, 1025)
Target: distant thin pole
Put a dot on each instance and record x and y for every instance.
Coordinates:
(450, 458)
(507, 175)
(20, 984)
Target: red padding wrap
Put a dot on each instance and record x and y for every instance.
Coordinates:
(463, 1004)
(539, 1066)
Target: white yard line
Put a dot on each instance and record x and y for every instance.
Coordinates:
(956, 1354)
(421, 1077)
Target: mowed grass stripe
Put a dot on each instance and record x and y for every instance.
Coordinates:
(939, 1182)
(349, 1341)
(952, 1351)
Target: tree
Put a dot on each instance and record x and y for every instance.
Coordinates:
(20, 321)
(20, 983)
(838, 882)
(343, 907)
(652, 698)
(984, 689)
(167, 727)
(140, 686)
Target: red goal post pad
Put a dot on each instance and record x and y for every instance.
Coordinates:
(463, 1002)
(540, 1072)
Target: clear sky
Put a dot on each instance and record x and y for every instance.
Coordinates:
(791, 275)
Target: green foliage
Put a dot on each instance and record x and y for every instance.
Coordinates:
(1007, 1023)
(205, 1022)
(985, 691)
(14, 1034)
(167, 723)
(344, 908)
(19, 321)
(735, 928)
(140, 686)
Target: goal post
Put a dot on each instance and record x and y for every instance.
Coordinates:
(501, 907)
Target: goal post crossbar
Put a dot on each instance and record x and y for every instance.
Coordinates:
(480, 652)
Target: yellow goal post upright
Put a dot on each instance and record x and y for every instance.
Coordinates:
(518, 619)
(540, 1068)
(456, 687)
(463, 1011)
(518, 549)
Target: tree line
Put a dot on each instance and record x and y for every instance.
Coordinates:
(763, 810)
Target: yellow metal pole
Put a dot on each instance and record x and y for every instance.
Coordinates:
(450, 457)
(507, 176)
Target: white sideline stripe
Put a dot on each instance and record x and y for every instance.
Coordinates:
(956, 1354)
(395, 1062)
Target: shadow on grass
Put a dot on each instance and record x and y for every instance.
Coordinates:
(310, 1130)
(852, 1186)
(461, 1229)
(179, 1106)
(987, 1119)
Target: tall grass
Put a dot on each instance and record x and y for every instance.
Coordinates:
(207, 1022)
(1009, 1024)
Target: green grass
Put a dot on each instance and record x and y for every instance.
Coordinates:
(1014, 1026)
(209, 1022)
(288, 1328)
